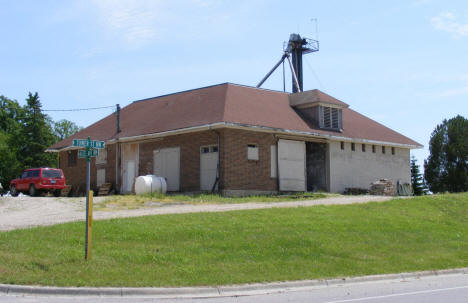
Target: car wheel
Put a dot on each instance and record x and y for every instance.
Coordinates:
(32, 190)
(13, 191)
(57, 192)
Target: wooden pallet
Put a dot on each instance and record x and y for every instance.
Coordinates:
(104, 189)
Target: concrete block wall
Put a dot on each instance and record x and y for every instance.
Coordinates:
(358, 169)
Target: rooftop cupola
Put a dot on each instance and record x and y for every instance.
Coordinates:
(322, 110)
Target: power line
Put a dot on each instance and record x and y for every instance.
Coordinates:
(61, 110)
(76, 109)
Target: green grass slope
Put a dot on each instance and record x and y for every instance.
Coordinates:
(421, 233)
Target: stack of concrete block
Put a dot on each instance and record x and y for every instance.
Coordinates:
(382, 187)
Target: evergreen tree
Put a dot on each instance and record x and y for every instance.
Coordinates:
(417, 181)
(446, 168)
(36, 135)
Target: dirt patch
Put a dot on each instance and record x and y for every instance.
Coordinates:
(25, 211)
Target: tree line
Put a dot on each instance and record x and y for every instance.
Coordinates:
(446, 168)
(25, 133)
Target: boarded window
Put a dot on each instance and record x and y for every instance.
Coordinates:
(72, 157)
(252, 152)
(102, 156)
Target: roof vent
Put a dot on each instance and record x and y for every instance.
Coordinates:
(322, 110)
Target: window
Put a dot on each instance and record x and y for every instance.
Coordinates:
(373, 149)
(363, 147)
(330, 117)
(35, 173)
(24, 175)
(353, 146)
(52, 173)
(393, 150)
(252, 152)
(342, 145)
(273, 162)
(383, 149)
(102, 156)
(72, 157)
(209, 149)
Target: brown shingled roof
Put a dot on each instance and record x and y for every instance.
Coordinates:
(228, 103)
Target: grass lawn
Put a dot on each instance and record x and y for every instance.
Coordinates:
(245, 246)
(137, 201)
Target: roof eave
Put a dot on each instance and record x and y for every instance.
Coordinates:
(218, 125)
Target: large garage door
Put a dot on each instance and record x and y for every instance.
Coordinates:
(167, 165)
(291, 158)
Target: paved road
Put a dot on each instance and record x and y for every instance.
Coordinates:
(435, 289)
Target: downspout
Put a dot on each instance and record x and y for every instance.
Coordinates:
(117, 167)
(218, 166)
(118, 153)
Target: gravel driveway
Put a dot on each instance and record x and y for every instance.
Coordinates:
(25, 211)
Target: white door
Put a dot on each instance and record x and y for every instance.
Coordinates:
(129, 175)
(208, 167)
(292, 167)
(166, 163)
(100, 176)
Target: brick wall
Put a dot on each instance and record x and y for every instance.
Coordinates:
(239, 173)
(189, 156)
(76, 175)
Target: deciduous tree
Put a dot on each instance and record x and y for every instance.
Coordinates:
(65, 128)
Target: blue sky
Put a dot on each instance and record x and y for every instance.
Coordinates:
(402, 63)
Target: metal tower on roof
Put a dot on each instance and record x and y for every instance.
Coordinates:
(297, 46)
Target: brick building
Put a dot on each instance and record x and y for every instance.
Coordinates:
(240, 140)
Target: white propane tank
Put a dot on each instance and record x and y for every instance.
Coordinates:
(150, 183)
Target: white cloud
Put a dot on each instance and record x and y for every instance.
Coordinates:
(135, 22)
(447, 22)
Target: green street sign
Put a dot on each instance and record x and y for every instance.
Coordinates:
(91, 152)
(88, 143)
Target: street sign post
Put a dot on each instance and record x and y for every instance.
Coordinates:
(91, 150)
(90, 143)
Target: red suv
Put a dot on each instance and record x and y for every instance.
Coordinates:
(37, 180)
